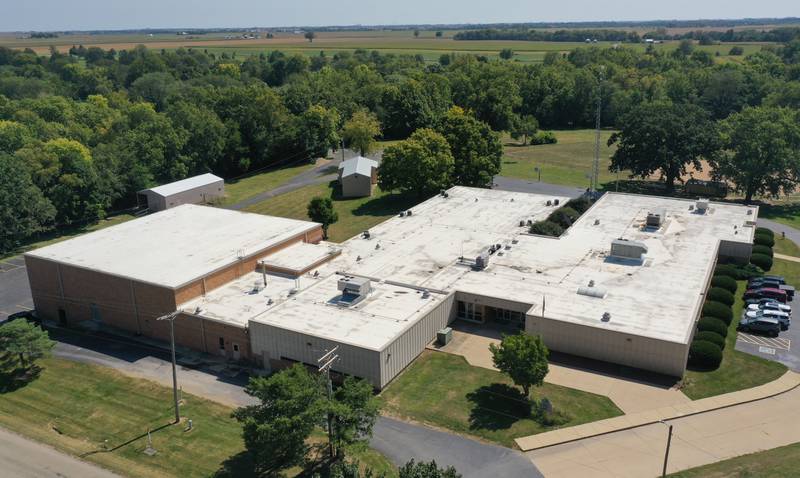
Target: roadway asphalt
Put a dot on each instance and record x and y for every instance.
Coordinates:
(23, 458)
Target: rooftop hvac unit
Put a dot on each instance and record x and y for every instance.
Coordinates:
(702, 205)
(444, 336)
(591, 291)
(354, 285)
(656, 218)
(625, 249)
(482, 261)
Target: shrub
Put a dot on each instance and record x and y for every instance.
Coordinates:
(725, 282)
(712, 337)
(544, 137)
(726, 270)
(765, 231)
(718, 310)
(718, 294)
(581, 204)
(546, 228)
(761, 260)
(704, 354)
(764, 240)
(767, 251)
(564, 216)
(710, 324)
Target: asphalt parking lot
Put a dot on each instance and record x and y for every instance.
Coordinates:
(784, 349)
(15, 293)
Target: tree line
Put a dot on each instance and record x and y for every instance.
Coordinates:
(80, 133)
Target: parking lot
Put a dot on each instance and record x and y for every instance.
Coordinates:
(785, 348)
(15, 294)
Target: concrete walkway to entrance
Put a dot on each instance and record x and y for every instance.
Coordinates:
(632, 393)
(699, 439)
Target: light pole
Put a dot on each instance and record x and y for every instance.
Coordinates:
(171, 317)
(538, 171)
(666, 453)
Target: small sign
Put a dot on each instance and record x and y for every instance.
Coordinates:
(766, 350)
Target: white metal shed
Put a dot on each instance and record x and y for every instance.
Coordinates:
(195, 190)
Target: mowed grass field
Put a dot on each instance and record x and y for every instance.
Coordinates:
(103, 416)
(240, 189)
(783, 462)
(444, 390)
(355, 215)
(738, 370)
(566, 163)
(397, 42)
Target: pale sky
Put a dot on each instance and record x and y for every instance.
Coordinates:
(24, 15)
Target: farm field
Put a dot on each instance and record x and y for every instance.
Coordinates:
(397, 42)
(103, 416)
(445, 391)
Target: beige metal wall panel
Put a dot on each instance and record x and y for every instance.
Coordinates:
(272, 343)
(398, 354)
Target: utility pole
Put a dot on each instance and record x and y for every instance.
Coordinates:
(171, 317)
(326, 362)
(342, 148)
(669, 441)
(596, 166)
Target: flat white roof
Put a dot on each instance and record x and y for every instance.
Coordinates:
(301, 255)
(184, 185)
(174, 247)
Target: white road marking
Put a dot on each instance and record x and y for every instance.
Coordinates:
(769, 342)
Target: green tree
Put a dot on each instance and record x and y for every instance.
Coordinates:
(477, 150)
(524, 128)
(506, 53)
(438, 34)
(205, 136)
(354, 409)
(412, 104)
(420, 165)
(423, 469)
(24, 211)
(310, 36)
(321, 210)
(762, 151)
(360, 131)
(275, 430)
(416, 33)
(523, 357)
(666, 138)
(13, 136)
(25, 341)
(317, 130)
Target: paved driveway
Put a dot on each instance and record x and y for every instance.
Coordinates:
(631, 391)
(15, 293)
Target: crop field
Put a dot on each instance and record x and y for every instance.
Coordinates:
(396, 42)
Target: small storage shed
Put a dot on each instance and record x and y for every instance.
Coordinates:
(195, 190)
(358, 176)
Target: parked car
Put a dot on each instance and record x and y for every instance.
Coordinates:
(763, 282)
(789, 291)
(768, 304)
(760, 324)
(766, 293)
(781, 317)
(778, 279)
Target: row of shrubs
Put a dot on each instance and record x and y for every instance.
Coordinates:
(709, 341)
(562, 218)
(543, 137)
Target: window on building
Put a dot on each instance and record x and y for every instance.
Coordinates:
(235, 347)
(222, 343)
(469, 311)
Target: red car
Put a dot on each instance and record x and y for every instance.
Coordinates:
(766, 293)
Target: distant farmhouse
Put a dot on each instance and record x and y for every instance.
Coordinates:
(201, 189)
(358, 177)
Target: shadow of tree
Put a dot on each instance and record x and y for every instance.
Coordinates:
(497, 407)
(14, 377)
(240, 465)
(779, 211)
(387, 205)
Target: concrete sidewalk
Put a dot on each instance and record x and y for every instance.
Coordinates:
(786, 383)
(786, 258)
(697, 440)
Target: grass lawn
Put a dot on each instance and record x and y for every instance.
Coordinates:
(103, 416)
(355, 215)
(69, 233)
(239, 190)
(565, 163)
(786, 211)
(738, 370)
(444, 390)
(785, 246)
(783, 462)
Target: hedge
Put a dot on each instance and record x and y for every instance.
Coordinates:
(762, 261)
(581, 204)
(713, 325)
(704, 354)
(726, 270)
(564, 216)
(544, 137)
(767, 251)
(718, 310)
(745, 272)
(712, 337)
(718, 294)
(763, 240)
(546, 228)
(725, 282)
(765, 231)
